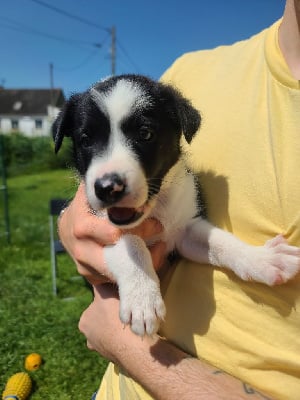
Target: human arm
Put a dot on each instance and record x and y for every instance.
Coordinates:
(83, 235)
(160, 367)
(163, 369)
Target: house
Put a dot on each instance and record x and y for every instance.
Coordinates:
(29, 111)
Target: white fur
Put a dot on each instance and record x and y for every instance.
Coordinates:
(129, 261)
(118, 158)
(120, 101)
(195, 238)
(117, 104)
(141, 304)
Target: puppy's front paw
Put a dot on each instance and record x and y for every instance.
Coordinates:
(274, 263)
(142, 307)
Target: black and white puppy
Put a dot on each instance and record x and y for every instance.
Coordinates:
(126, 132)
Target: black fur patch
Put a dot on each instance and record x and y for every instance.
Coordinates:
(152, 130)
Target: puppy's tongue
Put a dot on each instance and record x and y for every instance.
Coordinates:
(123, 215)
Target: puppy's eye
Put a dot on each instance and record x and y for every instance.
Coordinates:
(146, 134)
(85, 140)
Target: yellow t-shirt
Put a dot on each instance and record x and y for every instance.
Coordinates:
(247, 153)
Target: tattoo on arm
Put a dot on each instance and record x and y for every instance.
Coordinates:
(249, 390)
(246, 387)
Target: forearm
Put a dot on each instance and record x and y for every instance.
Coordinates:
(167, 373)
(162, 369)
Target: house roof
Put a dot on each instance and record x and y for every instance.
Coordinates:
(29, 101)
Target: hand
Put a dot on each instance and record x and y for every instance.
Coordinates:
(164, 370)
(101, 325)
(84, 235)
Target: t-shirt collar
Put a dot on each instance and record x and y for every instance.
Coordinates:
(275, 60)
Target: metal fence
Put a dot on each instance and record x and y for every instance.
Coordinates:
(4, 191)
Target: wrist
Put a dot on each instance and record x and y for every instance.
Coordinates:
(153, 362)
(166, 373)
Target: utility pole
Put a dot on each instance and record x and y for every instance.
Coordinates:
(113, 50)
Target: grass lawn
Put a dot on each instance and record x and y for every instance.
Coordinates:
(32, 319)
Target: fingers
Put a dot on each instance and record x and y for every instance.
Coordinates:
(84, 235)
(107, 291)
(90, 253)
(149, 228)
(84, 224)
(99, 230)
(90, 346)
(158, 254)
(88, 225)
(92, 275)
(100, 320)
(89, 259)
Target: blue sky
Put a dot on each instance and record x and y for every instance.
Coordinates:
(150, 35)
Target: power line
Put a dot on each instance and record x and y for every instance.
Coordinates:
(78, 66)
(137, 68)
(17, 26)
(112, 30)
(69, 15)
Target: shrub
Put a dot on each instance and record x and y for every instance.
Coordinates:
(26, 155)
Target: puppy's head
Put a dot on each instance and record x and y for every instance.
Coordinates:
(126, 132)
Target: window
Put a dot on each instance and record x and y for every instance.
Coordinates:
(38, 123)
(14, 124)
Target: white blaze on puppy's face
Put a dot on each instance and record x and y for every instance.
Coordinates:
(121, 100)
(118, 157)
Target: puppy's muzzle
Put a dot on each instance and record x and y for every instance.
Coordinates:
(110, 189)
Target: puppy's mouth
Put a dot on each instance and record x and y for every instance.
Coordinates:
(124, 215)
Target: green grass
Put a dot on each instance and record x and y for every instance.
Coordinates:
(32, 319)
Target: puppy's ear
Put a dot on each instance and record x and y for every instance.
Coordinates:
(65, 121)
(190, 118)
(182, 110)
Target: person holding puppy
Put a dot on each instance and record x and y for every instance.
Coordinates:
(222, 337)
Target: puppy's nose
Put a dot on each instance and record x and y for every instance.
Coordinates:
(110, 188)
